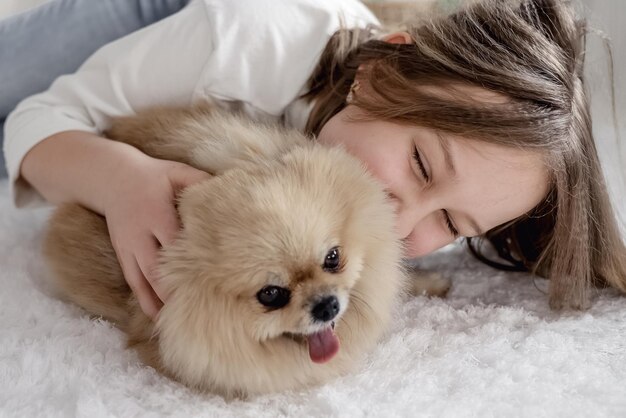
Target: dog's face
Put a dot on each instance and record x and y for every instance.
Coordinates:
(278, 252)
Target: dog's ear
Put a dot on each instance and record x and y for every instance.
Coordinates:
(194, 197)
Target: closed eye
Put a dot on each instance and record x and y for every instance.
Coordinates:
(450, 225)
(422, 169)
(420, 164)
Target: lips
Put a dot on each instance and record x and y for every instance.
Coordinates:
(323, 345)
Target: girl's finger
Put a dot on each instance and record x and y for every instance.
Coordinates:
(167, 228)
(147, 297)
(184, 175)
(147, 260)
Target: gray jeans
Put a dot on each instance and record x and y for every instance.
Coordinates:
(43, 43)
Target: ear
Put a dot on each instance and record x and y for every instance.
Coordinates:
(398, 38)
(392, 38)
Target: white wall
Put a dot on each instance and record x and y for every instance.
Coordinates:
(609, 16)
(8, 7)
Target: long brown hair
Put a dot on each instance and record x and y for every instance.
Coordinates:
(532, 51)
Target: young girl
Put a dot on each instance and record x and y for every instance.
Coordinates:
(476, 123)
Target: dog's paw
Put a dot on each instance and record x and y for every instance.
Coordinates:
(428, 283)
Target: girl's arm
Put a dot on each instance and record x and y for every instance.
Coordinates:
(160, 64)
(133, 191)
(76, 166)
(53, 149)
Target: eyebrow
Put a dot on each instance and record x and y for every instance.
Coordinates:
(445, 145)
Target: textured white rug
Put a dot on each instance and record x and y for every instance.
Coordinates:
(491, 349)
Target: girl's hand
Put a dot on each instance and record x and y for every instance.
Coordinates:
(141, 217)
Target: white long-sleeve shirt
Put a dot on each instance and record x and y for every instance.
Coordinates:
(252, 54)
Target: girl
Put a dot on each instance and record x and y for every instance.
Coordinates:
(477, 124)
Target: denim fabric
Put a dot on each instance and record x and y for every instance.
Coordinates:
(55, 38)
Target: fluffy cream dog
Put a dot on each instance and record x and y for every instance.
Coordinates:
(285, 272)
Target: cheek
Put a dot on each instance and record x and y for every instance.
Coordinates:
(387, 168)
(337, 132)
(423, 240)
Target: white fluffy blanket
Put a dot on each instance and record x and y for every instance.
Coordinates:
(492, 348)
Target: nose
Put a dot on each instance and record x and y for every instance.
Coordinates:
(407, 215)
(418, 225)
(326, 309)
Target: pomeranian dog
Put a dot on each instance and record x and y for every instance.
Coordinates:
(285, 272)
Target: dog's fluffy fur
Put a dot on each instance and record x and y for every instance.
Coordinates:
(276, 207)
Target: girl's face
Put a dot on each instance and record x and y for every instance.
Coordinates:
(443, 186)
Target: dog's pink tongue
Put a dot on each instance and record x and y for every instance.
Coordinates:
(323, 345)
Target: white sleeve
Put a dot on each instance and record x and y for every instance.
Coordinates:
(267, 49)
(160, 64)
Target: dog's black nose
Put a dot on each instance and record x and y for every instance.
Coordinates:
(326, 310)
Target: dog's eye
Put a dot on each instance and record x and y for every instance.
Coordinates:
(332, 261)
(273, 296)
